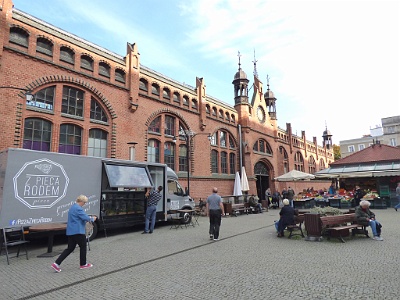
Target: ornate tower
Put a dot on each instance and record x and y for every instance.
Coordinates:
(327, 138)
(270, 101)
(240, 83)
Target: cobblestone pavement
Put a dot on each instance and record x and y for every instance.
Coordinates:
(248, 262)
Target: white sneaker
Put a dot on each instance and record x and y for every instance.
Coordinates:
(377, 238)
(216, 239)
(211, 236)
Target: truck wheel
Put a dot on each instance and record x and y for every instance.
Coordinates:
(93, 232)
(186, 218)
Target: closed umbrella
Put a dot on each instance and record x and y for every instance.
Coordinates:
(244, 181)
(237, 189)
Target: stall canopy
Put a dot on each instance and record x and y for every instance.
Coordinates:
(375, 161)
(294, 175)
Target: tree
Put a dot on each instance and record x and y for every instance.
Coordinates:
(336, 152)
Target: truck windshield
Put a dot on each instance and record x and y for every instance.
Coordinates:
(175, 188)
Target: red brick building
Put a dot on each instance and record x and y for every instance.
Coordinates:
(90, 101)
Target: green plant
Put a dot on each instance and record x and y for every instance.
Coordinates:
(326, 210)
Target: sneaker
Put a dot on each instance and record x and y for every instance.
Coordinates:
(211, 236)
(216, 239)
(87, 266)
(144, 232)
(56, 267)
(150, 231)
(378, 238)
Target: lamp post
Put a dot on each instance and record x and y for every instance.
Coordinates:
(188, 135)
(28, 94)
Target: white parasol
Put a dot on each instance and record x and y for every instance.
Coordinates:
(237, 189)
(244, 181)
(294, 175)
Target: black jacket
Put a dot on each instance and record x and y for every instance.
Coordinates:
(287, 215)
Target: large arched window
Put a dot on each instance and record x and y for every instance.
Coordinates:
(72, 101)
(96, 112)
(321, 164)
(155, 125)
(37, 134)
(97, 144)
(262, 146)
(43, 99)
(153, 151)
(169, 155)
(223, 158)
(284, 158)
(70, 139)
(298, 162)
(311, 165)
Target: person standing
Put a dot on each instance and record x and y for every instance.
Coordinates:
(153, 197)
(398, 196)
(290, 196)
(358, 194)
(215, 210)
(77, 219)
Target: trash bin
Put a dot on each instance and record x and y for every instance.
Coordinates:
(227, 208)
(313, 227)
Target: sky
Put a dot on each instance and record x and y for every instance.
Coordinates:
(329, 63)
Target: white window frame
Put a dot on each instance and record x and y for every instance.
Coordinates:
(361, 147)
(351, 148)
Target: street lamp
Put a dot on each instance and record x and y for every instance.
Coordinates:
(28, 94)
(188, 135)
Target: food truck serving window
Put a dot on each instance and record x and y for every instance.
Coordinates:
(128, 176)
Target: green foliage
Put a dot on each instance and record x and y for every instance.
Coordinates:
(336, 152)
(326, 210)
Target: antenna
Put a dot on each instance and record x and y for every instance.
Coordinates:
(268, 81)
(239, 55)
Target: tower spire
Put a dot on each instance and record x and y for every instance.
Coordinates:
(255, 64)
(239, 55)
(268, 82)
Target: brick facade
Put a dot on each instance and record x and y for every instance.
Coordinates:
(38, 57)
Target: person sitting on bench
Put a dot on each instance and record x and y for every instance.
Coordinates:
(286, 217)
(367, 218)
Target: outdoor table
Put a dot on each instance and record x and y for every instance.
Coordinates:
(51, 229)
(190, 212)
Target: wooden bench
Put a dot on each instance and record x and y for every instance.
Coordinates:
(240, 208)
(298, 219)
(341, 224)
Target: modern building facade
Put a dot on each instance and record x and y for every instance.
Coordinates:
(387, 134)
(90, 101)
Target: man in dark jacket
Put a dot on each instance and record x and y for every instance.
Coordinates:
(286, 217)
(358, 194)
(367, 218)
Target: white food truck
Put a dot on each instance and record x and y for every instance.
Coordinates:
(39, 187)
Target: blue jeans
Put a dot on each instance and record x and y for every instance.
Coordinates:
(150, 218)
(398, 204)
(373, 223)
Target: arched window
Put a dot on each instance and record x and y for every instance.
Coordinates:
(43, 99)
(285, 158)
(222, 153)
(194, 104)
(176, 97)
(97, 144)
(311, 165)
(104, 69)
(67, 55)
(86, 62)
(19, 36)
(207, 109)
(72, 101)
(183, 162)
(37, 134)
(262, 146)
(120, 75)
(44, 46)
(221, 114)
(153, 151)
(214, 161)
(227, 116)
(169, 155)
(166, 94)
(214, 111)
(185, 100)
(155, 125)
(70, 139)
(96, 112)
(155, 89)
(321, 164)
(143, 85)
(298, 162)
